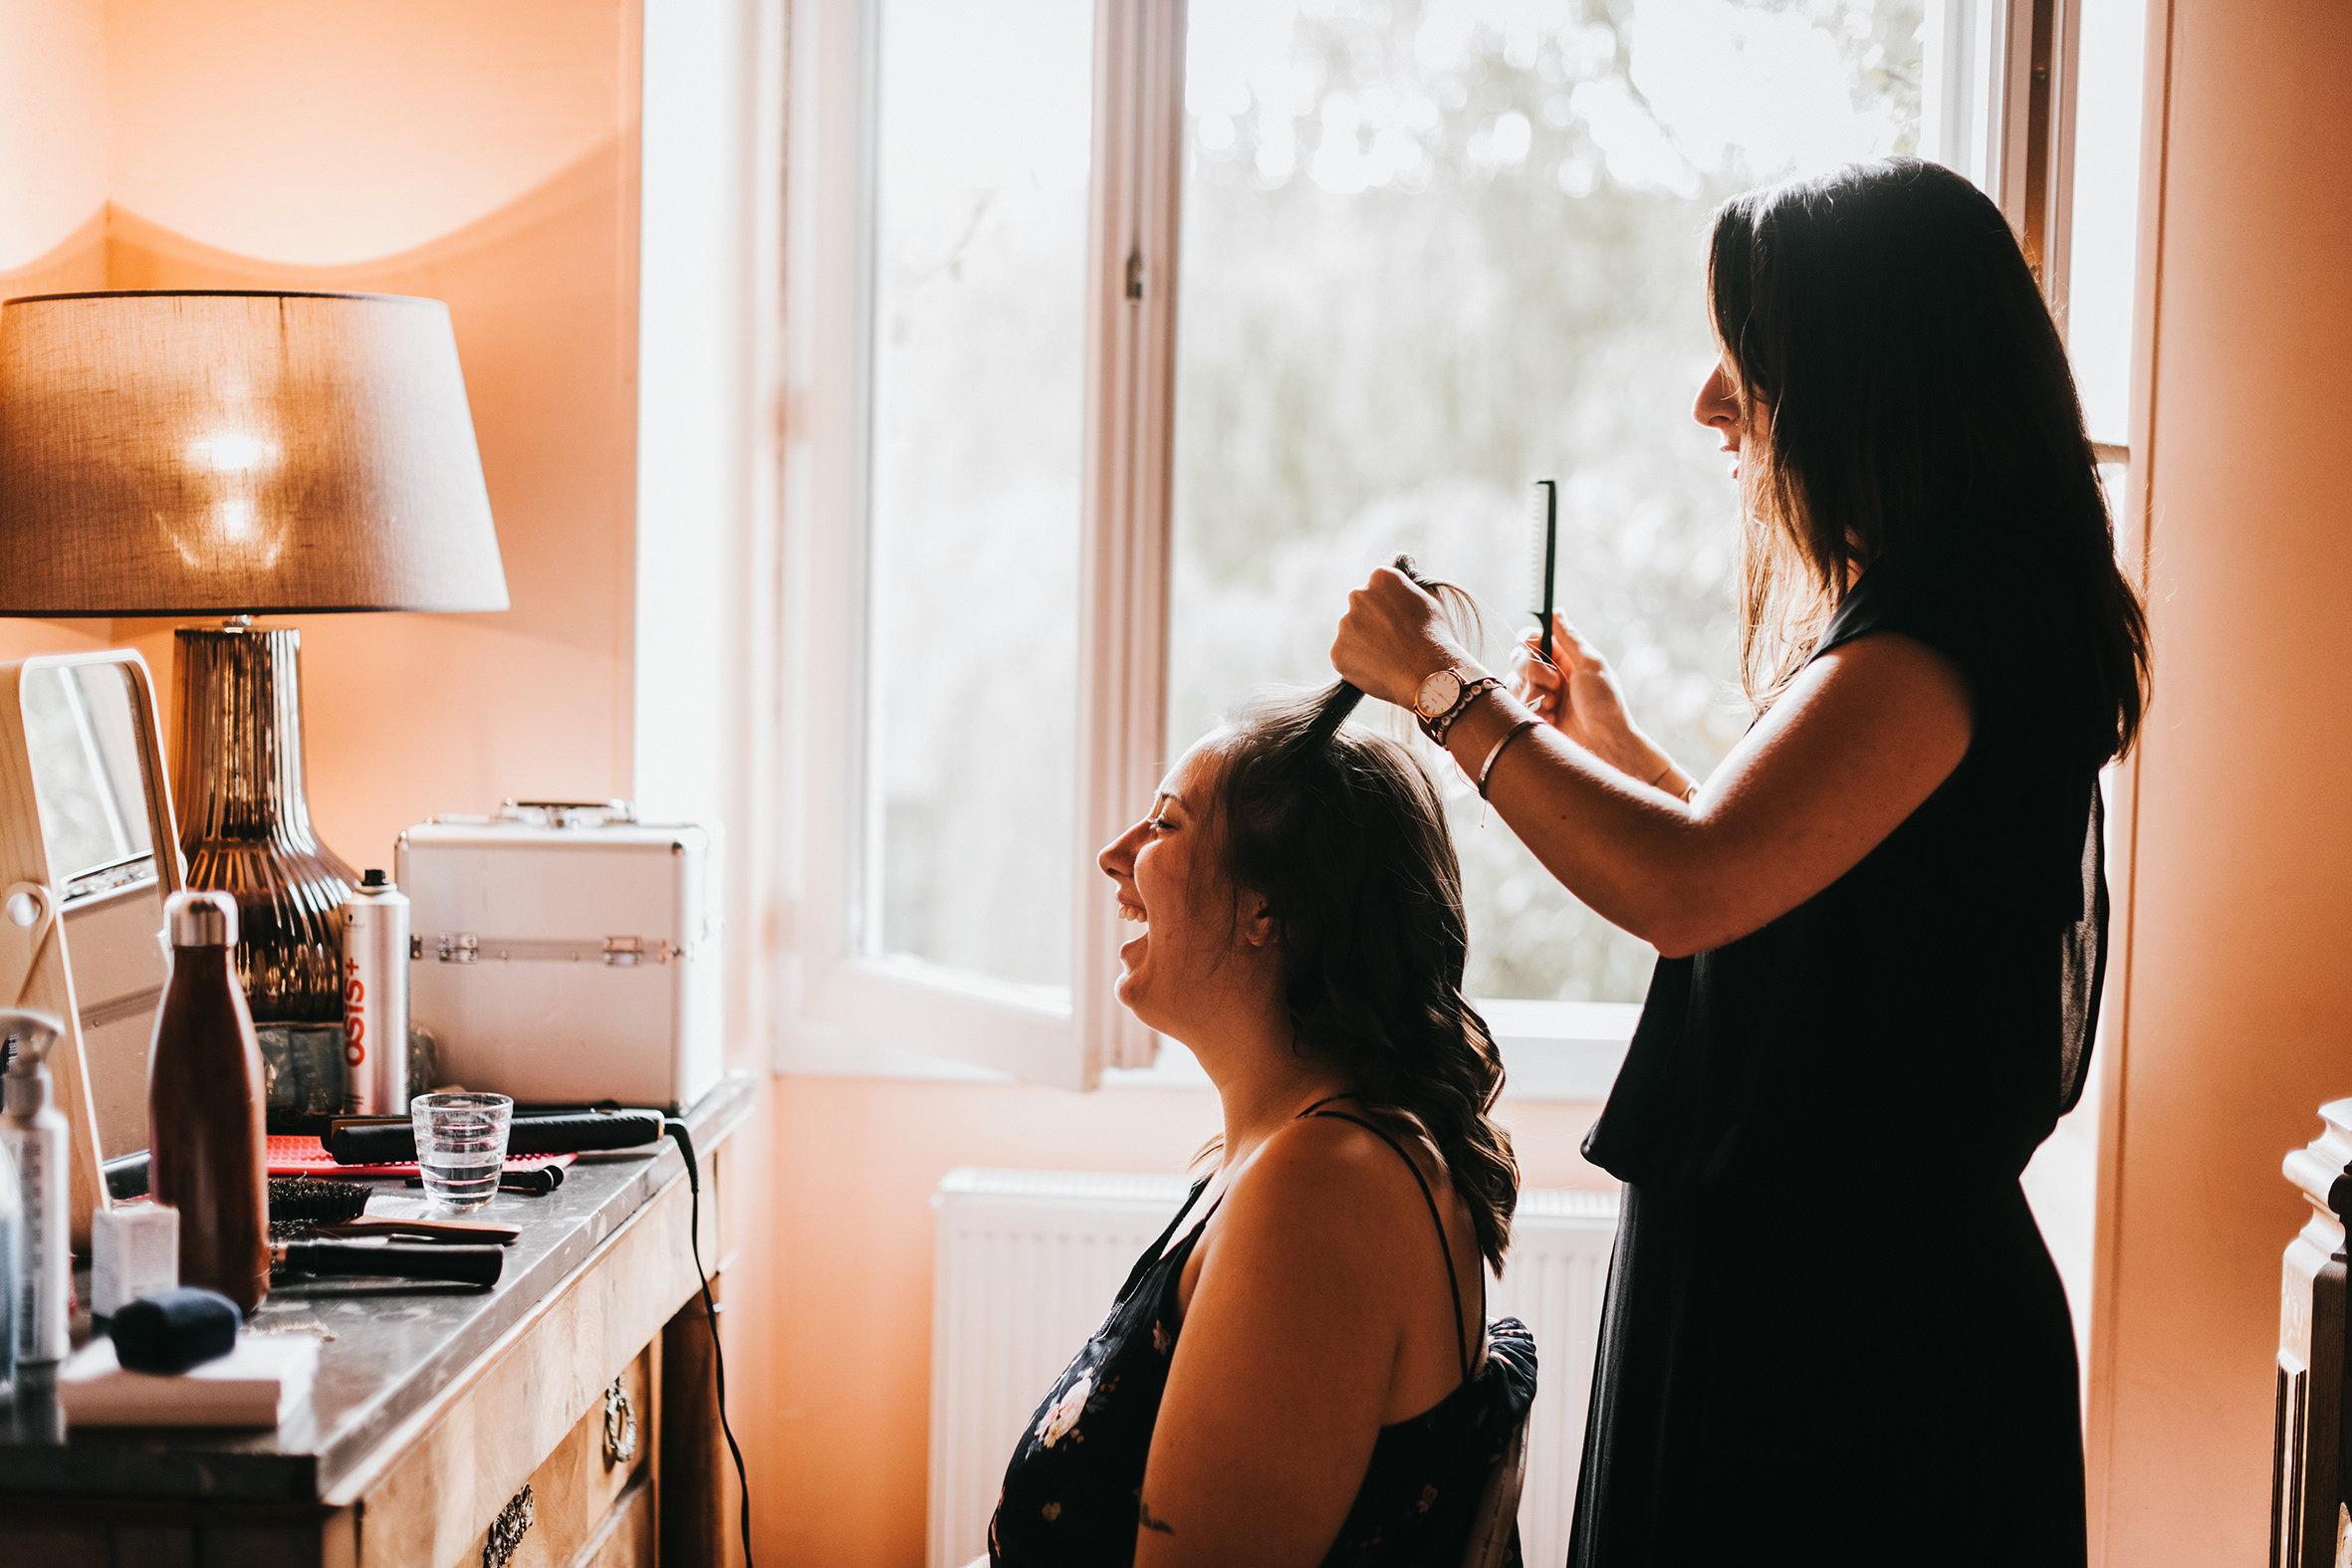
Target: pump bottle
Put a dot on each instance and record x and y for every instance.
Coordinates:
(35, 1134)
(10, 1202)
(206, 1154)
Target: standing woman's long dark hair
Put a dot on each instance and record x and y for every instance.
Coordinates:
(1916, 388)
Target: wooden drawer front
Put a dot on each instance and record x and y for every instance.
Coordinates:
(448, 1476)
(626, 1537)
(574, 1492)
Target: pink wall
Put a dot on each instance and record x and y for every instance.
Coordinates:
(2237, 997)
(53, 146)
(484, 155)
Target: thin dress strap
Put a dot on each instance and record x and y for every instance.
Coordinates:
(1159, 1249)
(1453, 1289)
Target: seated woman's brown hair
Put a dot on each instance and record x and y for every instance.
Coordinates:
(1341, 831)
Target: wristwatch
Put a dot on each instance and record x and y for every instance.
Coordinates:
(1443, 697)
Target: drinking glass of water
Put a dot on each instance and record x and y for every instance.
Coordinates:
(461, 1146)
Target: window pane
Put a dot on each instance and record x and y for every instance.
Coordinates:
(983, 144)
(2106, 212)
(1433, 252)
(1957, 123)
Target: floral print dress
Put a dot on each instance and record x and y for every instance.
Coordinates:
(1076, 1478)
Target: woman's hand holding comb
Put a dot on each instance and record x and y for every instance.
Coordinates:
(1577, 695)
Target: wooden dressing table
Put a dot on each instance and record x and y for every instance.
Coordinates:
(570, 1411)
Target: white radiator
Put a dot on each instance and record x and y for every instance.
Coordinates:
(1029, 1262)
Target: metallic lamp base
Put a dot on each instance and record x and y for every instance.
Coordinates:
(245, 822)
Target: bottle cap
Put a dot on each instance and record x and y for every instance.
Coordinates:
(203, 919)
(25, 1091)
(375, 879)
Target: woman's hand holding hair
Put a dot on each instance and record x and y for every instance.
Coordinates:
(1395, 636)
(1577, 695)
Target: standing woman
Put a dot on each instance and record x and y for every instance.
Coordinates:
(1832, 1331)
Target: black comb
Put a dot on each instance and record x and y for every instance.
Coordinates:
(1543, 559)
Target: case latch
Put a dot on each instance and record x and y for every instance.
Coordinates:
(567, 813)
(461, 947)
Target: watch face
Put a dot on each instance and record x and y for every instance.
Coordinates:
(1438, 693)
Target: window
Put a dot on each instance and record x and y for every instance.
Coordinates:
(1128, 336)
(976, 441)
(2102, 219)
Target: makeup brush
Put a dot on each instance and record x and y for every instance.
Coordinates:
(1542, 557)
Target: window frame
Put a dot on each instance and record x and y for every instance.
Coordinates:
(842, 1008)
(845, 1012)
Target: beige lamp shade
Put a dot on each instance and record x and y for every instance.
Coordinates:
(238, 453)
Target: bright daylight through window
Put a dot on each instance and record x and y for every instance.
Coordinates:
(983, 125)
(1158, 344)
(1429, 253)
(1432, 253)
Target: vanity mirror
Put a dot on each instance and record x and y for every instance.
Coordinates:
(86, 857)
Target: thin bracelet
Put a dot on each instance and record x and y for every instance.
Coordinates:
(1487, 768)
(1690, 792)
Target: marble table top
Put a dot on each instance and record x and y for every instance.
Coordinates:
(387, 1348)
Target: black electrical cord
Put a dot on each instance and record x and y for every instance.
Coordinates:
(677, 1130)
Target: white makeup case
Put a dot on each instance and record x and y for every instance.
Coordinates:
(566, 953)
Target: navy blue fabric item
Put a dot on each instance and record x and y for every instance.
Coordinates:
(174, 1331)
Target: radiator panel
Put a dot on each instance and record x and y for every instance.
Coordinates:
(1029, 1262)
(1558, 1272)
(1026, 1265)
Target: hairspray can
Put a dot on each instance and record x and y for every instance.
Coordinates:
(375, 999)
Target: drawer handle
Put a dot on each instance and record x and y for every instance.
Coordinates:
(620, 1427)
(507, 1531)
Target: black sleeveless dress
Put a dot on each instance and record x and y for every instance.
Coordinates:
(1832, 1333)
(1071, 1492)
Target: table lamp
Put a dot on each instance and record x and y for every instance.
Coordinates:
(222, 453)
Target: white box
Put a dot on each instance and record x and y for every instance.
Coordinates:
(133, 1253)
(566, 954)
(258, 1384)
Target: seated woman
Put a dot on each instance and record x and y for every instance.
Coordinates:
(1298, 1370)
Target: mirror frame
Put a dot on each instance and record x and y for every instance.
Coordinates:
(36, 958)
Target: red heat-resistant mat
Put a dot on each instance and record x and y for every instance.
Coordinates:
(293, 1155)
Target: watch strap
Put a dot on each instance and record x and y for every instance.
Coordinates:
(1438, 727)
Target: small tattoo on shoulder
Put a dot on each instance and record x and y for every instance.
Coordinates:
(1143, 1517)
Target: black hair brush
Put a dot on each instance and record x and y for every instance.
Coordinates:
(305, 1209)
